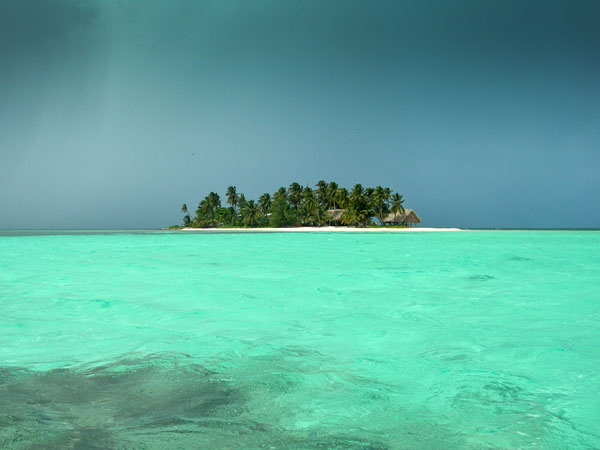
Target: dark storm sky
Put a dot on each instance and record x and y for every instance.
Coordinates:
(482, 113)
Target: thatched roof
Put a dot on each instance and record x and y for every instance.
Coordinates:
(408, 216)
(336, 214)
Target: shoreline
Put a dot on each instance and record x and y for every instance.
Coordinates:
(323, 230)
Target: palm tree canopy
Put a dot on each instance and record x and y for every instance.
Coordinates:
(242, 201)
(358, 195)
(341, 197)
(250, 213)
(322, 192)
(287, 206)
(332, 188)
(294, 188)
(264, 203)
(310, 203)
(295, 194)
(381, 196)
(349, 217)
(281, 192)
(380, 201)
(214, 200)
(232, 196)
(397, 203)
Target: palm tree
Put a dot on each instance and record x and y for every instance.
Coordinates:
(380, 199)
(233, 199)
(359, 207)
(186, 218)
(282, 215)
(202, 209)
(322, 192)
(349, 217)
(370, 193)
(213, 202)
(310, 203)
(250, 213)
(397, 204)
(332, 188)
(242, 201)
(295, 194)
(341, 197)
(224, 216)
(287, 206)
(204, 212)
(358, 197)
(388, 194)
(281, 193)
(207, 208)
(264, 203)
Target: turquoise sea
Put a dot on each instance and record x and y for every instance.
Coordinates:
(161, 340)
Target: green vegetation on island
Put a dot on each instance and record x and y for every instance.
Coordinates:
(327, 204)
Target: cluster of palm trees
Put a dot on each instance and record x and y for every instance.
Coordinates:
(297, 206)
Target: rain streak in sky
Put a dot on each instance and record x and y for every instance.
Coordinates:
(483, 114)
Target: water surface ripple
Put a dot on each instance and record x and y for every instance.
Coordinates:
(300, 341)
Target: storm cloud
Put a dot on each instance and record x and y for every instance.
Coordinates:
(483, 114)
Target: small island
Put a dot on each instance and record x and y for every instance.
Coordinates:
(327, 205)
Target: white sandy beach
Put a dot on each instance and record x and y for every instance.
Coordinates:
(327, 229)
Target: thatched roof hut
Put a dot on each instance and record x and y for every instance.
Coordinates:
(407, 217)
(336, 214)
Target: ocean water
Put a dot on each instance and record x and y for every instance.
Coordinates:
(471, 340)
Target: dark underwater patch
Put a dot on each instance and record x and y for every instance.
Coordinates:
(481, 277)
(90, 407)
(166, 401)
(518, 258)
